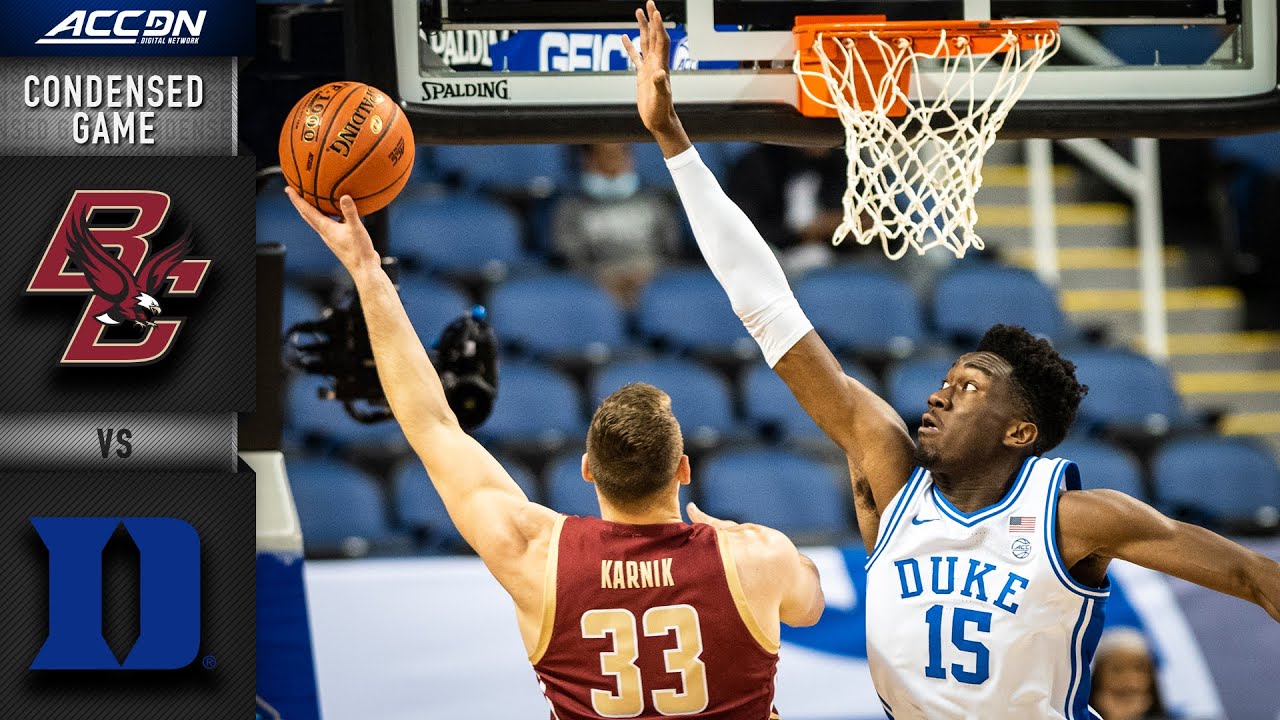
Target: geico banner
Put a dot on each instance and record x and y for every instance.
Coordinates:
(403, 639)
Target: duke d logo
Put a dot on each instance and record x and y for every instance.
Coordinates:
(168, 598)
(123, 288)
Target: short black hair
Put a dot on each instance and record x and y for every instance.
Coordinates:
(1044, 380)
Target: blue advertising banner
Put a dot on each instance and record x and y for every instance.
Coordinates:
(141, 28)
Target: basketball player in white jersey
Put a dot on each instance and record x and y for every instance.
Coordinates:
(637, 614)
(986, 580)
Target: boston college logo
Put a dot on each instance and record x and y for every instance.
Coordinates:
(124, 288)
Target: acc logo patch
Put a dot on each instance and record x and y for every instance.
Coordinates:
(1021, 548)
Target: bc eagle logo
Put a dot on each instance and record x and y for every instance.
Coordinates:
(123, 287)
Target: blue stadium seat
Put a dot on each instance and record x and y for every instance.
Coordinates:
(305, 252)
(727, 153)
(299, 306)
(536, 406)
(431, 305)
(1261, 151)
(456, 234)
(782, 490)
(309, 416)
(688, 309)
(769, 401)
(973, 297)
(652, 167)
(862, 310)
(341, 510)
(568, 493)
(1221, 478)
(1103, 466)
(700, 399)
(909, 385)
(587, 325)
(419, 507)
(1126, 388)
(539, 170)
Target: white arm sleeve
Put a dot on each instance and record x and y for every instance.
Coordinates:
(740, 259)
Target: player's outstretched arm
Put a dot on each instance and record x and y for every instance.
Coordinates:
(489, 509)
(779, 581)
(872, 435)
(1107, 524)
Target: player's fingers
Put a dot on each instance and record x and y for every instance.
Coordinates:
(631, 51)
(350, 214)
(662, 41)
(642, 21)
(313, 216)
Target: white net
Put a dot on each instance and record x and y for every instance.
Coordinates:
(912, 179)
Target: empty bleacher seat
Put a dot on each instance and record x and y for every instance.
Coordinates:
(341, 510)
(1103, 466)
(700, 398)
(559, 315)
(1260, 151)
(298, 306)
(688, 310)
(456, 234)
(536, 170)
(1126, 389)
(652, 167)
(568, 493)
(418, 506)
(783, 490)
(537, 407)
(862, 310)
(909, 385)
(431, 305)
(1213, 479)
(310, 417)
(279, 222)
(973, 297)
(769, 402)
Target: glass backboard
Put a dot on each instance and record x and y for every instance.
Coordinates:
(554, 70)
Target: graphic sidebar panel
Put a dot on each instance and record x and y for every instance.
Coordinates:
(128, 306)
(88, 329)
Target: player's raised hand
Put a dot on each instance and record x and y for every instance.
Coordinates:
(652, 61)
(348, 239)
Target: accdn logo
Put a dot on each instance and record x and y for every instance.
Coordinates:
(127, 27)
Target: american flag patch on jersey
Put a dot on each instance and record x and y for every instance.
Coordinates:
(1022, 524)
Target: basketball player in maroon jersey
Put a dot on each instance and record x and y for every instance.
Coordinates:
(638, 615)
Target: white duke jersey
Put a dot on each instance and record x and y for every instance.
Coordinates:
(973, 615)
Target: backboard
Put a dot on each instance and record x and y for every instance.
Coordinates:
(476, 71)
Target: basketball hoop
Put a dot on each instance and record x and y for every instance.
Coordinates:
(916, 141)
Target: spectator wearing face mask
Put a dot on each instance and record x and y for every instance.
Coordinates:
(1124, 678)
(612, 229)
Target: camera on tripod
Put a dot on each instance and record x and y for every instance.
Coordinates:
(337, 345)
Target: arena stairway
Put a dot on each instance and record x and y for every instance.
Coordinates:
(1217, 365)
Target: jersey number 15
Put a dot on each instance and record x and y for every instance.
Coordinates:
(961, 619)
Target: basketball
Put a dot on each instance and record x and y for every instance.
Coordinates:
(346, 138)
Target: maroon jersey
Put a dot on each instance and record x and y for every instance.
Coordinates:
(649, 621)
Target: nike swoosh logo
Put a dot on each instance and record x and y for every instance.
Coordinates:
(918, 521)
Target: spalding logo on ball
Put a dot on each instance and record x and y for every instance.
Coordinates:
(346, 138)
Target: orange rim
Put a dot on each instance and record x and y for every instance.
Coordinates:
(860, 33)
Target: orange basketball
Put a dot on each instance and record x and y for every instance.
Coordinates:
(346, 138)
